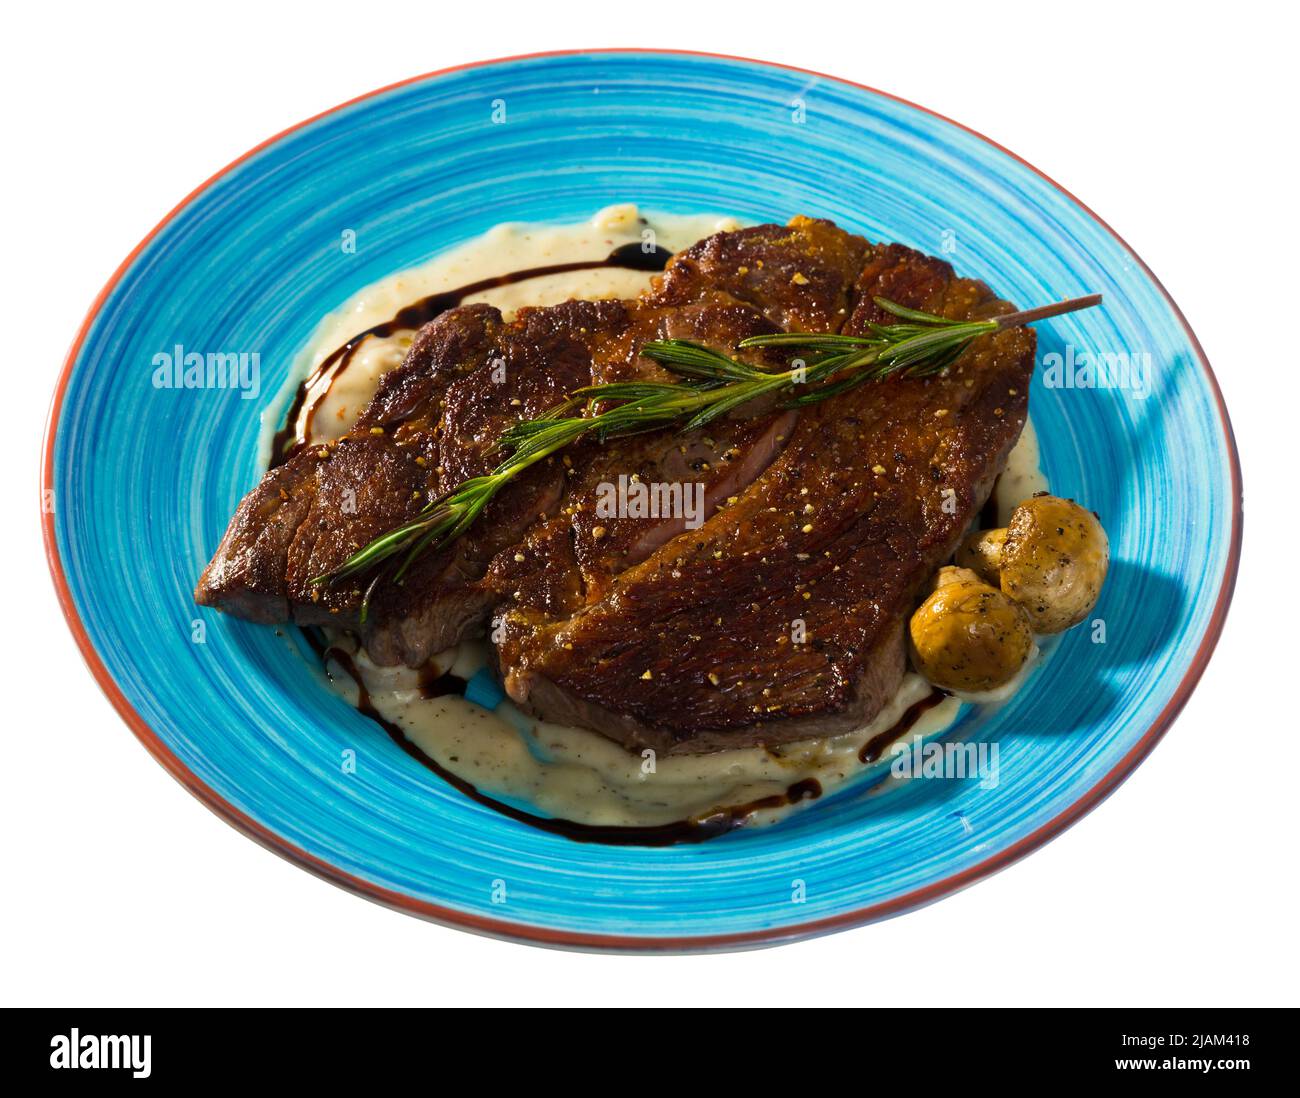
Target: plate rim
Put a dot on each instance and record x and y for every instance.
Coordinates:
(578, 940)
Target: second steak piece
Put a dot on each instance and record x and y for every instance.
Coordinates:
(782, 618)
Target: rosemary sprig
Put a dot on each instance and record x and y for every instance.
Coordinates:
(712, 385)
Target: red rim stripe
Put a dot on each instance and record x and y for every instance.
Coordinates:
(564, 938)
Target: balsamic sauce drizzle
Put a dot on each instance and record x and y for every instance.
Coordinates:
(875, 747)
(630, 257)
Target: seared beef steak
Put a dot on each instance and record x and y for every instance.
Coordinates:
(780, 618)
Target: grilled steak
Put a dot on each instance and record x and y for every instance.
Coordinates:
(780, 617)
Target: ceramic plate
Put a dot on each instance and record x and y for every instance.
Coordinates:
(140, 483)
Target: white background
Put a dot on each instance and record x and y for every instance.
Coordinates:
(1177, 127)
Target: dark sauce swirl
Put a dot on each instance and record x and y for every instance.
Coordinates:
(875, 747)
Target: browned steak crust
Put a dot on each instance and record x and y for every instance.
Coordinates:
(780, 618)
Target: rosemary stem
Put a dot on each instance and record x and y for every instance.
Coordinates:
(1042, 312)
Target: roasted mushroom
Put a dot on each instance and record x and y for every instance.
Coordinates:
(967, 636)
(981, 552)
(1051, 558)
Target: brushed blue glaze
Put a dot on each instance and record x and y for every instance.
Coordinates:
(146, 479)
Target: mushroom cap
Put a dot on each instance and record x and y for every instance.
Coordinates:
(968, 636)
(1054, 561)
(981, 552)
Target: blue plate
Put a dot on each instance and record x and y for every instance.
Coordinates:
(140, 482)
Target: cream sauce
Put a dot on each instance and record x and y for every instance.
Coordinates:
(574, 773)
(1022, 477)
(581, 776)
